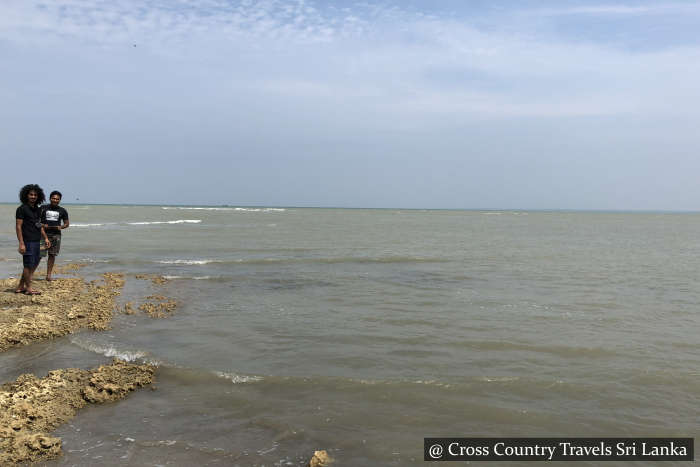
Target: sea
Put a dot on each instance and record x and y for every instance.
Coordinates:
(363, 331)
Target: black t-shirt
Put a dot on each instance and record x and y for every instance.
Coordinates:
(53, 216)
(31, 222)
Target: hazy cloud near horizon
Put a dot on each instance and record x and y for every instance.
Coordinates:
(468, 105)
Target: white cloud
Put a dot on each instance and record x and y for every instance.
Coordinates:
(622, 9)
(369, 55)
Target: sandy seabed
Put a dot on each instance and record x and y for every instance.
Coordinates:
(31, 407)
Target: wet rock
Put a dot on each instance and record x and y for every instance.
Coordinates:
(159, 307)
(154, 278)
(30, 406)
(64, 306)
(68, 268)
(320, 459)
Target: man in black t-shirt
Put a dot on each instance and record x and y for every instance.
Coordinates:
(29, 232)
(54, 218)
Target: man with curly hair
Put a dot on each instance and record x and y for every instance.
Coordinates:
(29, 233)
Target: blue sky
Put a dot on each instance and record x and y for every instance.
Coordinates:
(542, 105)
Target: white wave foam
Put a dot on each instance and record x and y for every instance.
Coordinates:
(189, 261)
(429, 382)
(498, 379)
(199, 209)
(91, 260)
(196, 278)
(260, 209)
(179, 221)
(109, 350)
(227, 209)
(237, 379)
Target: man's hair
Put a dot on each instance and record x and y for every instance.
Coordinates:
(55, 192)
(24, 194)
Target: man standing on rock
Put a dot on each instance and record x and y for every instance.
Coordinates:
(29, 232)
(55, 219)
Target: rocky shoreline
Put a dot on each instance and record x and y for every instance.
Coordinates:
(31, 407)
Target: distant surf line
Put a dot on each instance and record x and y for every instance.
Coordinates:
(179, 221)
(225, 209)
(323, 260)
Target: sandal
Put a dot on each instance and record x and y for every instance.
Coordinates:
(32, 292)
(20, 290)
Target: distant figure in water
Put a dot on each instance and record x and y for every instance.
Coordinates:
(29, 233)
(54, 219)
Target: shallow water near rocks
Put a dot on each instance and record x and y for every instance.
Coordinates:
(363, 331)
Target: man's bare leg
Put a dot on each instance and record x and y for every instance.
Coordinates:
(22, 286)
(28, 277)
(49, 267)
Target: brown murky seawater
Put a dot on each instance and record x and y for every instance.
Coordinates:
(364, 331)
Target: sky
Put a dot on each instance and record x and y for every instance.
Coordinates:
(408, 104)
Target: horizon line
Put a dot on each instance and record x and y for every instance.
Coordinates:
(471, 209)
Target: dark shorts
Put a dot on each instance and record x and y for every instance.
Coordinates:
(31, 256)
(55, 244)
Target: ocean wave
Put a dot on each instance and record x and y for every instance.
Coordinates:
(500, 213)
(226, 209)
(196, 278)
(109, 350)
(189, 261)
(179, 221)
(560, 350)
(343, 259)
(384, 382)
(498, 379)
(325, 260)
(236, 378)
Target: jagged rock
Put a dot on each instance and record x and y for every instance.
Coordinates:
(320, 459)
(30, 406)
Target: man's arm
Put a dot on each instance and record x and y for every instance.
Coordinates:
(20, 238)
(46, 238)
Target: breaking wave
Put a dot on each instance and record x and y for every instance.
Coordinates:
(189, 261)
(227, 209)
(179, 221)
(196, 278)
(236, 378)
(109, 350)
(322, 260)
